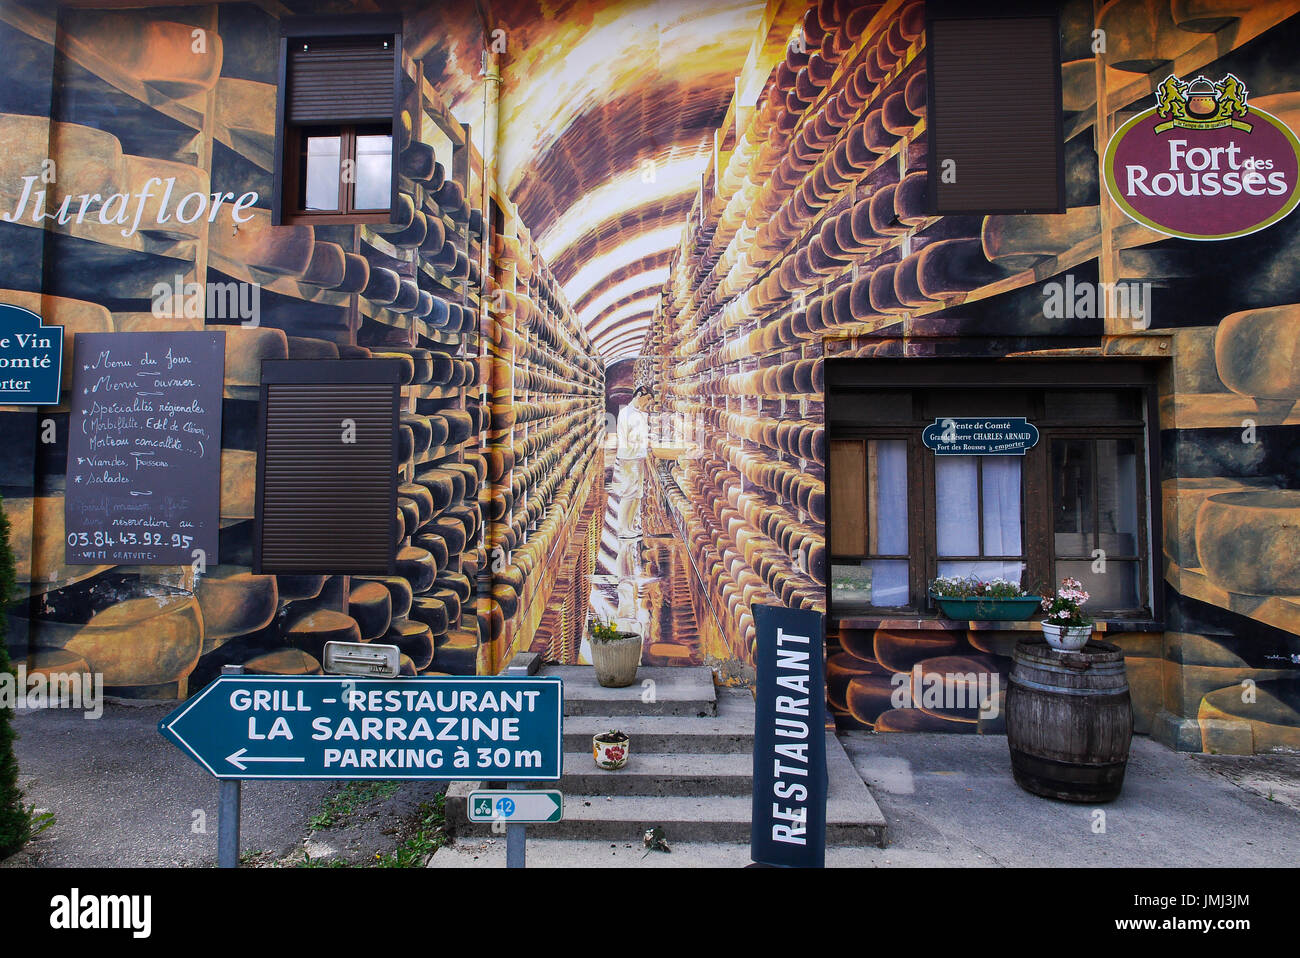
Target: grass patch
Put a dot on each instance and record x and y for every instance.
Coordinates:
(420, 838)
(349, 800)
(331, 862)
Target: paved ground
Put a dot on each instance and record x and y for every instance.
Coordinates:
(951, 800)
(124, 797)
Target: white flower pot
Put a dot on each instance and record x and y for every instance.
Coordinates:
(610, 755)
(616, 662)
(1066, 639)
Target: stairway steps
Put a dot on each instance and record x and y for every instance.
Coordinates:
(689, 773)
(660, 773)
(657, 691)
(651, 733)
(853, 818)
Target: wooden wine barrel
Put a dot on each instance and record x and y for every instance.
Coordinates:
(1069, 721)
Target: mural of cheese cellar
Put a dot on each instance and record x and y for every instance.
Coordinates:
(544, 437)
(494, 428)
(811, 242)
(727, 204)
(126, 105)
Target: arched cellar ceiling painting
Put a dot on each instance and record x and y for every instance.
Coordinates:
(611, 111)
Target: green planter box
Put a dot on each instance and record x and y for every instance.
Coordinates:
(971, 610)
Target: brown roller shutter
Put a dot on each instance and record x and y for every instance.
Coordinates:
(340, 79)
(325, 505)
(995, 114)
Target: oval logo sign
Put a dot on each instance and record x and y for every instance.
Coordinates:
(1202, 164)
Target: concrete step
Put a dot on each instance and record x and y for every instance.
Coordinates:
(853, 817)
(660, 773)
(656, 691)
(650, 734)
(545, 852)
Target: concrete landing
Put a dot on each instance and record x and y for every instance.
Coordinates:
(656, 691)
(562, 853)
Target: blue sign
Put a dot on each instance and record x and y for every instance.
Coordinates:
(789, 813)
(448, 728)
(31, 358)
(980, 437)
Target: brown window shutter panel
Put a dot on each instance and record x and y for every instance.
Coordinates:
(995, 112)
(325, 505)
(340, 79)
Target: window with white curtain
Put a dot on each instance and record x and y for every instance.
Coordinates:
(978, 517)
(1076, 504)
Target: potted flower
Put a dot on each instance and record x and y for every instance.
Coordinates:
(615, 654)
(970, 599)
(1067, 628)
(611, 749)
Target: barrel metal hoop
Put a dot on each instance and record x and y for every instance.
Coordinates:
(1058, 690)
(1098, 668)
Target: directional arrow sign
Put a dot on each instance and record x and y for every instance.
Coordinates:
(447, 728)
(524, 807)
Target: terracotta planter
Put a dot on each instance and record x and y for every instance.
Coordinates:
(611, 750)
(616, 662)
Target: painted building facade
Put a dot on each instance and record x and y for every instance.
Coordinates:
(726, 203)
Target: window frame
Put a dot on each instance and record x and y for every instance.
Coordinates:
(915, 377)
(285, 164)
(347, 151)
(916, 520)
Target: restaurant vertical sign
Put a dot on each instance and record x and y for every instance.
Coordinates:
(789, 812)
(144, 454)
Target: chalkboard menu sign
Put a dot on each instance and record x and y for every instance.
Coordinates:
(144, 455)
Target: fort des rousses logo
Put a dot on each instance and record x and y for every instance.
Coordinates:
(1202, 164)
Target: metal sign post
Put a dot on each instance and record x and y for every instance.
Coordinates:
(228, 801)
(517, 809)
(516, 846)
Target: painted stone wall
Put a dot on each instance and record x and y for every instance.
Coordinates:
(805, 237)
(815, 242)
(188, 96)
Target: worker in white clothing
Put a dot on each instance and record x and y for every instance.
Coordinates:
(630, 464)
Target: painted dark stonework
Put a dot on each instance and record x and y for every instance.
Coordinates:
(723, 222)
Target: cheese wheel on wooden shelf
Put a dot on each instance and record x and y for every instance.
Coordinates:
(155, 640)
(456, 653)
(451, 599)
(371, 606)
(158, 52)
(416, 565)
(432, 612)
(283, 662)
(233, 603)
(435, 545)
(415, 642)
(399, 592)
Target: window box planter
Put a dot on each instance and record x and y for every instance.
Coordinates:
(987, 609)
